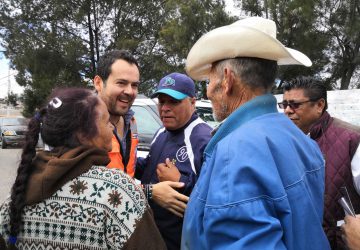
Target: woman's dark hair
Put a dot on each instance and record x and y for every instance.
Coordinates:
(68, 111)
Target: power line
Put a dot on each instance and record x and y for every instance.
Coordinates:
(7, 76)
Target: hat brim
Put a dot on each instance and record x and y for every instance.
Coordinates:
(238, 41)
(170, 92)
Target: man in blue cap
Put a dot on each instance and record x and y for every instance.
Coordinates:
(176, 152)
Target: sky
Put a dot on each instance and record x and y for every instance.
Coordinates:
(230, 7)
(4, 78)
(15, 88)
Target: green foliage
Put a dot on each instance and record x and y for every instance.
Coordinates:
(12, 99)
(325, 30)
(186, 22)
(296, 28)
(341, 19)
(58, 42)
(37, 46)
(33, 98)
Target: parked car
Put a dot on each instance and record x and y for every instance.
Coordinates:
(148, 122)
(204, 110)
(13, 130)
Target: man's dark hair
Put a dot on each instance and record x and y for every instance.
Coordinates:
(106, 61)
(313, 88)
(69, 111)
(255, 72)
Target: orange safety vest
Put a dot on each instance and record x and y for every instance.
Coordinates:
(125, 162)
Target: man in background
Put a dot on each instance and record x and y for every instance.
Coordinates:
(305, 103)
(176, 152)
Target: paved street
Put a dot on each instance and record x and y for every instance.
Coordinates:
(9, 160)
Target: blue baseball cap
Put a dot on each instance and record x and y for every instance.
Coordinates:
(176, 85)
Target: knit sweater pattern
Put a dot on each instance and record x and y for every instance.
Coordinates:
(99, 209)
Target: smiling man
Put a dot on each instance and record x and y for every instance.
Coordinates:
(116, 82)
(176, 152)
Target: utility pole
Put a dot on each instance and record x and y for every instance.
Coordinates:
(9, 91)
(9, 82)
(9, 88)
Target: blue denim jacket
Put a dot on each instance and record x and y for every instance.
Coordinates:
(261, 185)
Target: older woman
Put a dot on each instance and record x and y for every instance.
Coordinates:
(65, 198)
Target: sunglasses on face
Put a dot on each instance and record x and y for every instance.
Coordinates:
(292, 105)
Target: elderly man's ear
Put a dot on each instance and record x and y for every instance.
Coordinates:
(229, 81)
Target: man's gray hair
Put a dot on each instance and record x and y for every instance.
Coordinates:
(255, 72)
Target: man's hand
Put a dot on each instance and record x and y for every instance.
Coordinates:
(351, 230)
(167, 171)
(165, 195)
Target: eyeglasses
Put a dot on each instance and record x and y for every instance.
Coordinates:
(292, 105)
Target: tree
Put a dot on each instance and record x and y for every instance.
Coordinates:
(58, 42)
(12, 99)
(37, 47)
(341, 20)
(325, 30)
(296, 28)
(187, 21)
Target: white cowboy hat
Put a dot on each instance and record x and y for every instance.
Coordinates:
(249, 37)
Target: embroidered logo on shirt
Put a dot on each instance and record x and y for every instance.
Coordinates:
(181, 154)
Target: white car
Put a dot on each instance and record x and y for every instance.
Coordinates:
(204, 110)
(12, 130)
(148, 122)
